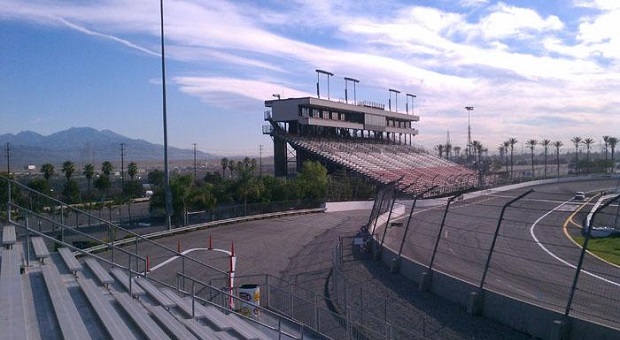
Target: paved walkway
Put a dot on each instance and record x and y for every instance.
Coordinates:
(425, 314)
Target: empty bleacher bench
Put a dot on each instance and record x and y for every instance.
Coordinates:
(71, 324)
(123, 278)
(72, 263)
(155, 293)
(103, 276)
(8, 236)
(12, 321)
(109, 317)
(40, 249)
(140, 316)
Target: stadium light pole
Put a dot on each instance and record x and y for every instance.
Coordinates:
(318, 74)
(167, 192)
(469, 110)
(412, 96)
(396, 92)
(346, 97)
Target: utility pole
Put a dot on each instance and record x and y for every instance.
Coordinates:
(194, 144)
(8, 159)
(123, 165)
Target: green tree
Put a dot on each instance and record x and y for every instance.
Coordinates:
(558, 144)
(107, 168)
(612, 144)
(545, 143)
(588, 142)
(576, 141)
(231, 166)
(224, 164)
(312, 180)
(68, 168)
(71, 191)
(532, 144)
(606, 141)
(103, 184)
(156, 178)
(132, 170)
(512, 141)
(47, 170)
(89, 172)
(506, 145)
(477, 146)
(439, 148)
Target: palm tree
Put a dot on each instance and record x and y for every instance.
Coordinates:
(89, 172)
(477, 147)
(106, 168)
(47, 170)
(576, 141)
(606, 141)
(506, 146)
(545, 143)
(588, 142)
(531, 144)
(68, 168)
(457, 152)
(231, 166)
(439, 148)
(132, 170)
(557, 144)
(224, 163)
(512, 141)
(612, 144)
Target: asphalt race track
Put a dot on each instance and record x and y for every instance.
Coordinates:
(534, 260)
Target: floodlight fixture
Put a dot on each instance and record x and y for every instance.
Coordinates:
(396, 92)
(412, 96)
(354, 81)
(277, 95)
(318, 74)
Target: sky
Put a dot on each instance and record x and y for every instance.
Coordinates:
(532, 69)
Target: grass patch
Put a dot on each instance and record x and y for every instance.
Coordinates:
(607, 248)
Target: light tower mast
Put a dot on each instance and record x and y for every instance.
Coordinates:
(469, 146)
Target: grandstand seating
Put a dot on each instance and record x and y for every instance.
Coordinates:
(94, 304)
(413, 169)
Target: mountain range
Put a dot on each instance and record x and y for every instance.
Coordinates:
(83, 145)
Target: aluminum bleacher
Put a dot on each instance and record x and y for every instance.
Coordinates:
(94, 304)
(415, 170)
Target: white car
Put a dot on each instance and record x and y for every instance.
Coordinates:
(579, 196)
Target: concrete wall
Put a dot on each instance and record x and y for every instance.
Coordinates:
(348, 206)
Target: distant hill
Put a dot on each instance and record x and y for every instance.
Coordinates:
(86, 145)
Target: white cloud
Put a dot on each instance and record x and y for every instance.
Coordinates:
(515, 65)
(514, 22)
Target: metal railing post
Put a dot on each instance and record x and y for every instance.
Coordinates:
(415, 200)
(499, 223)
(193, 300)
(130, 276)
(584, 248)
(387, 223)
(443, 222)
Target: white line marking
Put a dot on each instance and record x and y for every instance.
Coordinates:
(557, 257)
